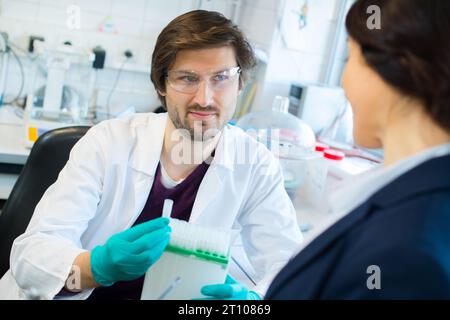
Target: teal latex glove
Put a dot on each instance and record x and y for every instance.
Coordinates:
(129, 254)
(230, 290)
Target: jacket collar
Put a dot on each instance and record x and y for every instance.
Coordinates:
(431, 176)
(225, 150)
(148, 142)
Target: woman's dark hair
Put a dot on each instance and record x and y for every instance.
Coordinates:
(198, 29)
(411, 50)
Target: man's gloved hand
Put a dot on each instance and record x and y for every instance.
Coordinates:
(129, 254)
(230, 290)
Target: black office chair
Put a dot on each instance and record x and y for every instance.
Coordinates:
(47, 158)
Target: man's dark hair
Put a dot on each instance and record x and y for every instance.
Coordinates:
(195, 30)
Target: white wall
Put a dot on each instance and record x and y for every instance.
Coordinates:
(307, 63)
(138, 22)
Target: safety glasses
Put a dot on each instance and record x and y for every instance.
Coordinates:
(189, 81)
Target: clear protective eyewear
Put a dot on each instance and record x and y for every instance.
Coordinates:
(189, 81)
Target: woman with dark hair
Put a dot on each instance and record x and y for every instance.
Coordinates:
(392, 235)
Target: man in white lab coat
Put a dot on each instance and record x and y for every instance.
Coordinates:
(99, 220)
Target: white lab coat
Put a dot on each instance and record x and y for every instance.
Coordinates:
(105, 185)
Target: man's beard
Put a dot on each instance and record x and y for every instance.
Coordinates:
(197, 131)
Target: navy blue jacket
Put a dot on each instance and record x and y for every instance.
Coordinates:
(403, 229)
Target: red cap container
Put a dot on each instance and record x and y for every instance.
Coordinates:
(333, 154)
(321, 147)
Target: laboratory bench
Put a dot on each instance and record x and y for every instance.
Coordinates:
(13, 153)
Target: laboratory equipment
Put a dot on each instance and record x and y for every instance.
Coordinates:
(3, 64)
(60, 96)
(167, 208)
(352, 151)
(319, 178)
(289, 138)
(324, 108)
(196, 255)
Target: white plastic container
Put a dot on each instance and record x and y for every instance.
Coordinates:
(318, 181)
(196, 256)
(289, 138)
